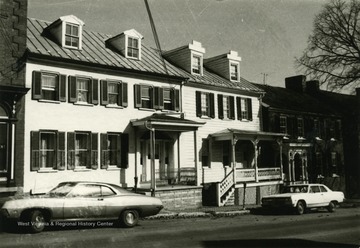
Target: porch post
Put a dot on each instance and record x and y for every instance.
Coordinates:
(279, 141)
(233, 144)
(255, 143)
(136, 178)
(152, 154)
(196, 157)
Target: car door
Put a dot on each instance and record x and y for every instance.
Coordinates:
(315, 197)
(84, 202)
(113, 202)
(327, 196)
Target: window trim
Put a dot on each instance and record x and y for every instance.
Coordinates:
(122, 99)
(199, 64)
(248, 102)
(65, 35)
(237, 71)
(210, 107)
(230, 109)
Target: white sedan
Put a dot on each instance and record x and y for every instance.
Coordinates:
(304, 196)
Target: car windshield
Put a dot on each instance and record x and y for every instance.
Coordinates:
(296, 189)
(62, 189)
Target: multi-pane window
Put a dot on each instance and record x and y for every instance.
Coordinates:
(114, 93)
(82, 150)
(72, 35)
(226, 107)
(82, 85)
(160, 98)
(234, 72)
(196, 64)
(300, 127)
(283, 124)
(47, 150)
(83, 90)
(244, 108)
(133, 47)
(205, 105)
(48, 86)
(114, 150)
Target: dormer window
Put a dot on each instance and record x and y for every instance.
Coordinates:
(67, 31)
(133, 47)
(234, 72)
(72, 35)
(196, 66)
(127, 44)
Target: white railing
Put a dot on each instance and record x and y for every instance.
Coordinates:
(248, 175)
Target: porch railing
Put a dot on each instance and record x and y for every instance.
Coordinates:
(248, 175)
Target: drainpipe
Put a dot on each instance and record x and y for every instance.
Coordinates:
(152, 157)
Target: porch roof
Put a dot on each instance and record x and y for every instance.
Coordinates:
(163, 122)
(230, 133)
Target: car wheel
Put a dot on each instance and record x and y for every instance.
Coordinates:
(37, 221)
(331, 208)
(129, 218)
(300, 207)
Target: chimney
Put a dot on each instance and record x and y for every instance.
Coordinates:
(312, 86)
(296, 83)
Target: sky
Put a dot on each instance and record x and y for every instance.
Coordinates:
(267, 34)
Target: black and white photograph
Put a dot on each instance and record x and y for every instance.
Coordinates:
(180, 123)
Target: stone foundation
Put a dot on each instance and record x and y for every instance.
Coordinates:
(180, 198)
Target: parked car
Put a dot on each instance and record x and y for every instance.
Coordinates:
(79, 201)
(304, 196)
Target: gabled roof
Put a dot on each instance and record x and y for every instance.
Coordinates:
(291, 100)
(94, 52)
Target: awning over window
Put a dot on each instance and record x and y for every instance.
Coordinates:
(163, 122)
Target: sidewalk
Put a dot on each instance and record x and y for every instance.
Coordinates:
(208, 212)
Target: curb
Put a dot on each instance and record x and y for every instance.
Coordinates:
(209, 214)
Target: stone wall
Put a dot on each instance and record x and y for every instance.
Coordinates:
(180, 198)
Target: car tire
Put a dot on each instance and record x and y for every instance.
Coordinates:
(37, 221)
(332, 206)
(129, 218)
(300, 207)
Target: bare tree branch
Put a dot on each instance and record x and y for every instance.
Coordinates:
(333, 52)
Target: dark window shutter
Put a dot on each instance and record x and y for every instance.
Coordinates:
(124, 150)
(94, 151)
(152, 96)
(137, 92)
(156, 97)
(212, 105)
(104, 92)
(71, 150)
(95, 91)
(238, 107)
(124, 94)
(72, 89)
(198, 103)
(89, 151)
(35, 153)
(61, 151)
(220, 106)
(36, 85)
(62, 88)
(176, 99)
(104, 151)
(118, 151)
(232, 108)
(161, 98)
(249, 104)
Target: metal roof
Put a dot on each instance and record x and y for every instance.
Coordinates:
(94, 52)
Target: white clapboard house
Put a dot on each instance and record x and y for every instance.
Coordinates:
(105, 108)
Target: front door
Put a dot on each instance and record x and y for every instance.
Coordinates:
(298, 167)
(162, 158)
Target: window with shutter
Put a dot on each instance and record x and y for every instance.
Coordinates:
(244, 108)
(205, 104)
(61, 151)
(48, 86)
(111, 150)
(35, 150)
(83, 90)
(94, 151)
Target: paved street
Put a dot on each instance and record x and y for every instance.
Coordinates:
(316, 229)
